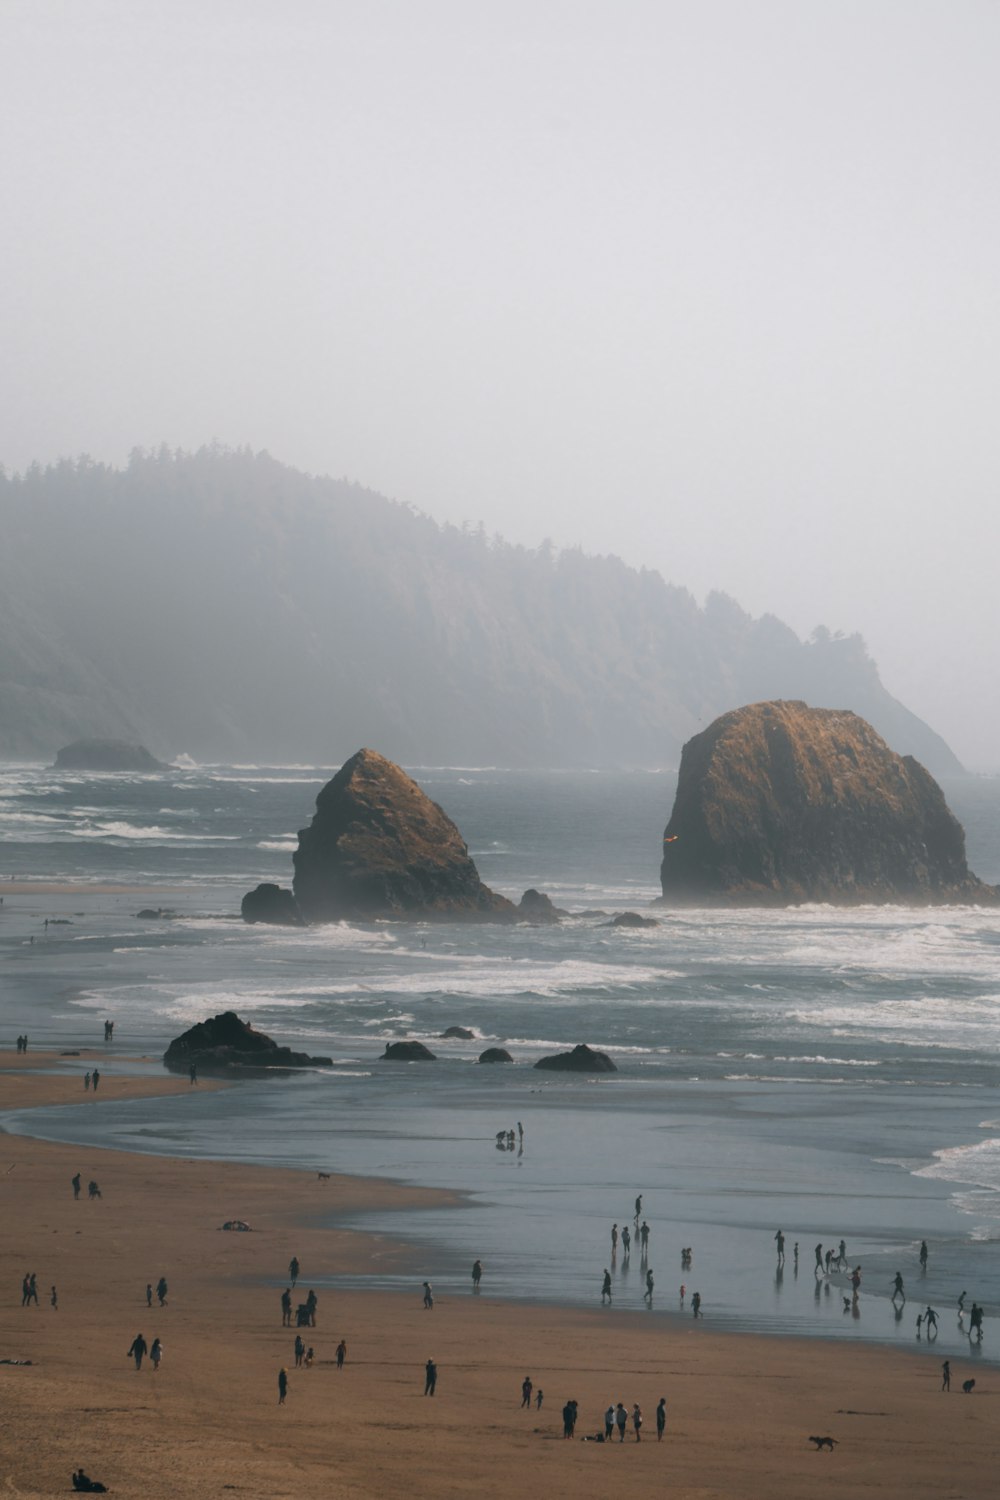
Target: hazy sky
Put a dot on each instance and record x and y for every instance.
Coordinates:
(710, 285)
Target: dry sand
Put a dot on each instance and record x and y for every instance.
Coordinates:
(740, 1408)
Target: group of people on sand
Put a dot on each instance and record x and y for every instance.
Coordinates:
(22, 1043)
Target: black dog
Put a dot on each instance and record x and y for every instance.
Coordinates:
(823, 1442)
(967, 1386)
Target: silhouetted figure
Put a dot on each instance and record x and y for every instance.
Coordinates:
(95, 1080)
(967, 1387)
(609, 1424)
(93, 1191)
(923, 1255)
(621, 1420)
(661, 1418)
(856, 1281)
(300, 1350)
(626, 1242)
(85, 1485)
(477, 1274)
(842, 1254)
(155, 1353)
(638, 1207)
(311, 1301)
(569, 1417)
(930, 1319)
(637, 1422)
(33, 1288)
(819, 1257)
(76, 1185)
(149, 1294)
(647, 1295)
(779, 1240)
(341, 1354)
(696, 1304)
(644, 1239)
(161, 1291)
(193, 1073)
(961, 1302)
(293, 1269)
(53, 1299)
(539, 1398)
(428, 1295)
(286, 1308)
(526, 1389)
(86, 1082)
(430, 1378)
(282, 1385)
(138, 1348)
(614, 1238)
(606, 1287)
(946, 1376)
(25, 1290)
(897, 1287)
(976, 1322)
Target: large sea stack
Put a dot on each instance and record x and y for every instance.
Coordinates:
(379, 847)
(107, 755)
(225, 1044)
(779, 803)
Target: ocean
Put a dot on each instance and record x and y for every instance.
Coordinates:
(829, 1073)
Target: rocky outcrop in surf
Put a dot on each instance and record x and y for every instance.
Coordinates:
(106, 755)
(779, 803)
(407, 1052)
(225, 1044)
(582, 1059)
(271, 904)
(379, 847)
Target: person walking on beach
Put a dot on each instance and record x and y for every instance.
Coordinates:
(539, 1398)
(621, 1419)
(286, 1308)
(696, 1304)
(946, 1376)
(637, 1422)
(341, 1354)
(53, 1299)
(614, 1240)
(293, 1269)
(976, 1322)
(819, 1258)
(779, 1239)
(95, 1080)
(526, 1389)
(606, 1287)
(193, 1073)
(282, 1385)
(644, 1239)
(428, 1295)
(25, 1290)
(923, 1255)
(86, 1082)
(300, 1350)
(638, 1208)
(477, 1274)
(897, 1287)
(156, 1353)
(626, 1242)
(647, 1295)
(842, 1254)
(311, 1301)
(149, 1294)
(430, 1378)
(76, 1185)
(137, 1349)
(930, 1319)
(33, 1288)
(609, 1424)
(661, 1418)
(961, 1303)
(161, 1291)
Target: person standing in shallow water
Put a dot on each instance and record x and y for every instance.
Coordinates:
(606, 1287)
(477, 1274)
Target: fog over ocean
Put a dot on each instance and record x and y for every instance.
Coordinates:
(832, 1073)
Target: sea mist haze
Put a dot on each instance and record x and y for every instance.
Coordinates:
(830, 1072)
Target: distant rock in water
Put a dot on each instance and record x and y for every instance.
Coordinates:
(106, 755)
(407, 1052)
(271, 903)
(582, 1059)
(780, 803)
(225, 1044)
(632, 919)
(495, 1055)
(379, 847)
(535, 906)
(458, 1033)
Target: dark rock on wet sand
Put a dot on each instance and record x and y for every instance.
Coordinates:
(582, 1059)
(225, 1043)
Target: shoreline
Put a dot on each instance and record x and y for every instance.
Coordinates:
(741, 1406)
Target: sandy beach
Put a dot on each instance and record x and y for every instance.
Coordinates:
(740, 1408)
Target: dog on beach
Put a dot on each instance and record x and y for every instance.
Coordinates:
(323, 1176)
(823, 1442)
(967, 1386)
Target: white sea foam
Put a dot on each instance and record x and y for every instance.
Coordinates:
(153, 834)
(283, 846)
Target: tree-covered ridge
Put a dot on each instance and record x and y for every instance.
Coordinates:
(223, 604)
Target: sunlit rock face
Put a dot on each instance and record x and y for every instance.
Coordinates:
(779, 803)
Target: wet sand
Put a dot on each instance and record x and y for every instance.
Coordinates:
(740, 1407)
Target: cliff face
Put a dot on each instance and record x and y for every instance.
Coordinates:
(379, 847)
(779, 802)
